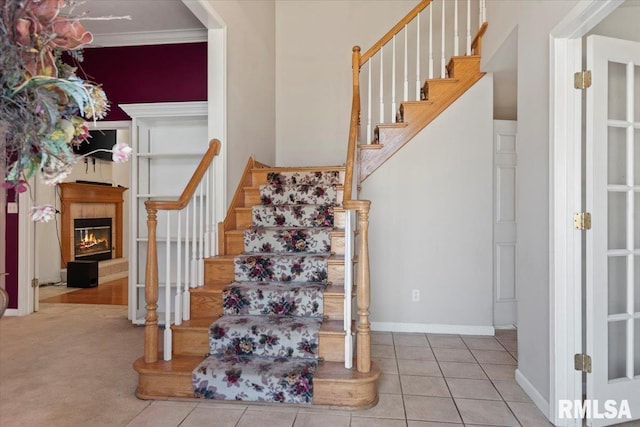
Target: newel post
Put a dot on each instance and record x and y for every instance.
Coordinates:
(363, 329)
(151, 290)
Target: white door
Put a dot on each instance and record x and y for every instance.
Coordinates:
(613, 244)
(504, 225)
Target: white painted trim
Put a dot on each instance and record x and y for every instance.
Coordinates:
(195, 35)
(533, 393)
(165, 109)
(433, 328)
(11, 312)
(26, 253)
(204, 11)
(107, 125)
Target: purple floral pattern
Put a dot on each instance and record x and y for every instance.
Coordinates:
(270, 336)
(298, 194)
(279, 239)
(308, 178)
(293, 215)
(273, 298)
(282, 268)
(255, 379)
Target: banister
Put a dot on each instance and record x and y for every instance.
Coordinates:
(353, 127)
(395, 30)
(151, 270)
(190, 188)
(476, 44)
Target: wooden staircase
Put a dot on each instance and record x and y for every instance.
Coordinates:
(333, 383)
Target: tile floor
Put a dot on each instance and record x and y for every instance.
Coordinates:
(427, 381)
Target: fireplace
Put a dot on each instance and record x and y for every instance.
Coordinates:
(92, 239)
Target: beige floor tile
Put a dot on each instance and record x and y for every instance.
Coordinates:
(510, 345)
(486, 412)
(427, 408)
(383, 351)
(413, 423)
(382, 338)
(494, 357)
(511, 391)
(528, 414)
(499, 372)
(376, 422)
(424, 386)
(387, 366)
(462, 370)
(440, 341)
(252, 418)
(416, 353)
(473, 389)
(389, 383)
(514, 354)
(321, 420)
(419, 367)
(482, 343)
(221, 417)
(410, 340)
(161, 416)
(453, 355)
(389, 406)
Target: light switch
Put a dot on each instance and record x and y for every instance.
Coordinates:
(12, 208)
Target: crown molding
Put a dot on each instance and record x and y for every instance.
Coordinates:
(166, 109)
(195, 35)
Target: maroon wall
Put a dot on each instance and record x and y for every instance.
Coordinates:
(11, 253)
(160, 73)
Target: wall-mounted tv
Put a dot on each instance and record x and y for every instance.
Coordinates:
(98, 139)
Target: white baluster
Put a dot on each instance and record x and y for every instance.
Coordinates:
(201, 235)
(369, 69)
(207, 222)
(468, 50)
(194, 246)
(405, 94)
(179, 293)
(393, 81)
(418, 58)
(456, 39)
(348, 289)
(443, 68)
(431, 40)
(382, 84)
(186, 309)
(167, 292)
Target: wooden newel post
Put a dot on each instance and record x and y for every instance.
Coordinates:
(151, 289)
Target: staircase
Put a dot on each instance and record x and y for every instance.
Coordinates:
(278, 285)
(269, 318)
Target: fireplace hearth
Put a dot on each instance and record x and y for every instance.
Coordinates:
(92, 239)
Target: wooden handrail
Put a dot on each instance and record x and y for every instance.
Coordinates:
(476, 44)
(176, 205)
(151, 272)
(354, 125)
(395, 30)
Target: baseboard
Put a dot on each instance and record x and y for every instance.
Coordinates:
(533, 394)
(11, 312)
(431, 328)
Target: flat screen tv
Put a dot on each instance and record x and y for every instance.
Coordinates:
(98, 139)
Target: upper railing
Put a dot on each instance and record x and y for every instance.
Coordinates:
(430, 34)
(190, 235)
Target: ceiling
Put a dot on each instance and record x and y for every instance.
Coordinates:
(146, 16)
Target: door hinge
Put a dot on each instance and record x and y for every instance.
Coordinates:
(35, 282)
(582, 221)
(582, 80)
(582, 362)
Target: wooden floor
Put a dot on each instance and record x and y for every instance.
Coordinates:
(110, 293)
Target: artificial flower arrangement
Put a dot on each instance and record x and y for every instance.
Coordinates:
(44, 105)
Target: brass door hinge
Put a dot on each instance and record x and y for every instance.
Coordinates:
(582, 221)
(582, 80)
(35, 282)
(582, 362)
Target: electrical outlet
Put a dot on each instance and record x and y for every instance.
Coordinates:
(12, 208)
(415, 295)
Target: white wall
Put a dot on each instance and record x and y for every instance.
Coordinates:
(251, 59)
(534, 20)
(313, 72)
(431, 224)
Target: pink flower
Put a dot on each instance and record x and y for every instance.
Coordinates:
(70, 35)
(44, 213)
(121, 152)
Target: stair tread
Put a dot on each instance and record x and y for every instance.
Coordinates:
(331, 289)
(328, 326)
(371, 146)
(300, 169)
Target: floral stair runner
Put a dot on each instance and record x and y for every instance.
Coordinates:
(265, 346)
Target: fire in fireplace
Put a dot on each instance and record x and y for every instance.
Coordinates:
(92, 239)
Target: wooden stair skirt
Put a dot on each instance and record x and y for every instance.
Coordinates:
(334, 385)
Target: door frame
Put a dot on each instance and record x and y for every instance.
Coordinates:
(565, 251)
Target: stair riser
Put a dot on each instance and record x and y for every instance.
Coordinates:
(195, 342)
(252, 196)
(259, 176)
(360, 395)
(209, 303)
(244, 218)
(463, 66)
(160, 386)
(222, 271)
(235, 243)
